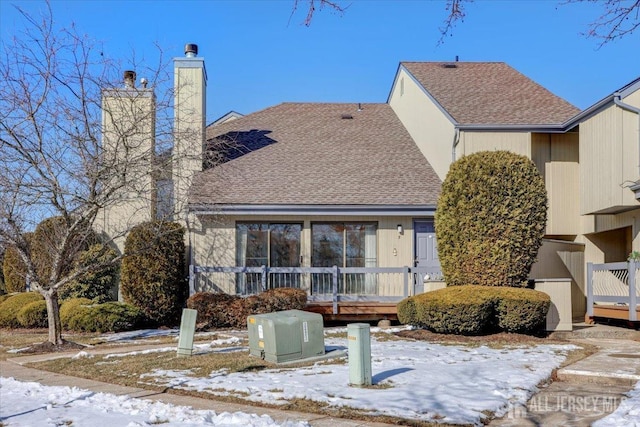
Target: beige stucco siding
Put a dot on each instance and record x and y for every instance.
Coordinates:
(429, 127)
(214, 241)
(609, 160)
(556, 156)
(189, 131)
(128, 142)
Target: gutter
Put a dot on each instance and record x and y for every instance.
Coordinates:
(617, 99)
(456, 140)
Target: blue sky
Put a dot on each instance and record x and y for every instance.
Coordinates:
(258, 55)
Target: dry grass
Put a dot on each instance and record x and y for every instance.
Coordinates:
(14, 339)
(127, 370)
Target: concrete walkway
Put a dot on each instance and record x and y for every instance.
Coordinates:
(583, 392)
(589, 389)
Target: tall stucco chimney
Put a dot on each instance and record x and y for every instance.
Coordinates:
(190, 84)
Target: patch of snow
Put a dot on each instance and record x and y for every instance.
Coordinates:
(82, 355)
(417, 380)
(32, 404)
(627, 413)
(18, 350)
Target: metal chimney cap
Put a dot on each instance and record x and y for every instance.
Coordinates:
(191, 50)
(129, 79)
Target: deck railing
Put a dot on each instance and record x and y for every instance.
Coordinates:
(610, 284)
(323, 284)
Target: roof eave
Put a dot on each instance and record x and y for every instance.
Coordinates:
(315, 210)
(547, 128)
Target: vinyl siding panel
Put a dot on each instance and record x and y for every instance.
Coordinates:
(429, 127)
(472, 142)
(609, 160)
(556, 157)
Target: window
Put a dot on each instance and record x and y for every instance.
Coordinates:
(344, 245)
(272, 245)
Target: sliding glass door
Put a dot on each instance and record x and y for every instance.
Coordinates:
(344, 245)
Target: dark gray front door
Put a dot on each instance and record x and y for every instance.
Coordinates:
(426, 256)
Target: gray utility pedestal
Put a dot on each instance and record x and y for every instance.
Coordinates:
(359, 337)
(284, 336)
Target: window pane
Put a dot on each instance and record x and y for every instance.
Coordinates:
(285, 245)
(252, 244)
(285, 252)
(328, 245)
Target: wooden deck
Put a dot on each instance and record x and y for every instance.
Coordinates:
(611, 312)
(352, 310)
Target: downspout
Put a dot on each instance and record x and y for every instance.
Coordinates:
(456, 140)
(617, 100)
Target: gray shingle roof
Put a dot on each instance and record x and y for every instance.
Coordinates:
(307, 154)
(490, 93)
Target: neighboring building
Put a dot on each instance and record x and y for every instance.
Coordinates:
(231, 115)
(304, 186)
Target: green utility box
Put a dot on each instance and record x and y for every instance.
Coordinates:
(284, 336)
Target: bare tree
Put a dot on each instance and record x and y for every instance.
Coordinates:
(313, 5)
(618, 18)
(53, 159)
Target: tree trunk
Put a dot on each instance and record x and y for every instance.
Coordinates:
(53, 315)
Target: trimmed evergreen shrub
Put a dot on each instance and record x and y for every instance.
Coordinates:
(108, 317)
(46, 241)
(11, 306)
(490, 219)
(33, 315)
(522, 310)
(96, 285)
(3, 289)
(407, 311)
(72, 307)
(465, 310)
(15, 271)
(153, 277)
(473, 310)
(4, 297)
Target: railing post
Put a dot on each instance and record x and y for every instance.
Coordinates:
(192, 279)
(633, 314)
(335, 289)
(590, 289)
(263, 278)
(406, 281)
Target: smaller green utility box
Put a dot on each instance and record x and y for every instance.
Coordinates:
(283, 336)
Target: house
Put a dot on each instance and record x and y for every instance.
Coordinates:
(339, 199)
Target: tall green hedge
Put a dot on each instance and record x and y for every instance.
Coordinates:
(46, 245)
(490, 219)
(97, 285)
(153, 271)
(15, 271)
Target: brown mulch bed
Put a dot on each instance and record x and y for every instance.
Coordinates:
(48, 347)
(497, 338)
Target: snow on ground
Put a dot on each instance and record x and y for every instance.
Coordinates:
(32, 404)
(414, 380)
(627, 414)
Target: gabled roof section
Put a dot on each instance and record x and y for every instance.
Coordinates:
(605, 102)
(489, 93)
(231, 115)
(301, 154)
